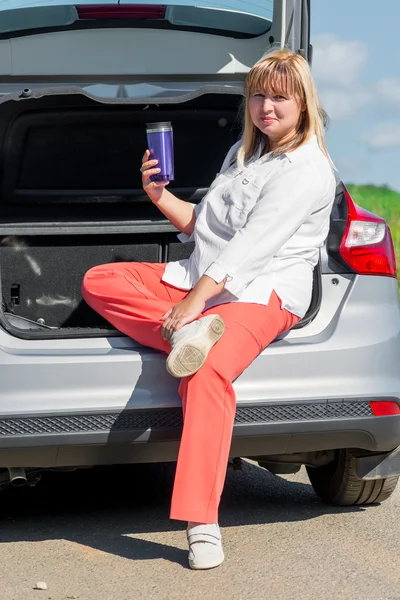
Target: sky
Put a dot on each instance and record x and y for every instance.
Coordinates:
(356, 66)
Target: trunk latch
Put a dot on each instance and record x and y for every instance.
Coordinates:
(15, 295)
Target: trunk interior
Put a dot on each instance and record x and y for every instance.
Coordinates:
(71, 197)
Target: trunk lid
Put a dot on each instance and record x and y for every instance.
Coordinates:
(54, 41)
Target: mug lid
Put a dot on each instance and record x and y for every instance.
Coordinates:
(159, 124)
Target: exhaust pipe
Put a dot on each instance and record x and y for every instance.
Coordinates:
(17, 476)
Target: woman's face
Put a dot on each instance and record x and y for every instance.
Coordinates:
(275, 115)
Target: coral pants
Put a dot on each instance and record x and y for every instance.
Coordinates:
(133, 298)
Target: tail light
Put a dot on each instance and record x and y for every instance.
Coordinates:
(118, 11)
(384, 408)
(367, 245)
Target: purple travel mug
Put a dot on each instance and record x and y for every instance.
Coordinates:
(160, 141)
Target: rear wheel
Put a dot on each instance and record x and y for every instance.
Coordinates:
(337, 483)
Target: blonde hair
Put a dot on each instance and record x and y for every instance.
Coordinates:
(283, 72)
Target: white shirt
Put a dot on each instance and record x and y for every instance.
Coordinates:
(261, 227)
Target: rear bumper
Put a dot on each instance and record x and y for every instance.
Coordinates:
(153, 435)
(99, 401)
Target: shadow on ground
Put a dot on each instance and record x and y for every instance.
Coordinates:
(104, 508)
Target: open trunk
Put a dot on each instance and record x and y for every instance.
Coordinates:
(71, 196)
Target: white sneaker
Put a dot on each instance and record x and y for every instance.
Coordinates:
(192, 343)
(205, 547)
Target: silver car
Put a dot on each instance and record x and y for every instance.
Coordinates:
(78, 84)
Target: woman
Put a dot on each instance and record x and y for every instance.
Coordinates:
(257, 236)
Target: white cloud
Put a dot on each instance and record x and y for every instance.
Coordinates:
(384, 136)
(389, 90)
(343, 103)
(337, 61)
(337, 65)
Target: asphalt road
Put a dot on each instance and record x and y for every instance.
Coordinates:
(104, 534)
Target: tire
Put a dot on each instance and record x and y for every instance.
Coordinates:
(337, 483)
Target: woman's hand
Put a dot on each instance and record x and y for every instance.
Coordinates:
(191, 307)
(182, 313)
(154, 189)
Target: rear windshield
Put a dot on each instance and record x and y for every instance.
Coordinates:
(241, 18)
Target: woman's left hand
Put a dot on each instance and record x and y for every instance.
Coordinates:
(182, 313)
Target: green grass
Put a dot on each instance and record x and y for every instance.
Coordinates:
(383, 202)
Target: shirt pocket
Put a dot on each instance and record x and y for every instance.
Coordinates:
(225, 177)
(239, 197)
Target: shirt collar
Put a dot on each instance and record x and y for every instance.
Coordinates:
(292, 156)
